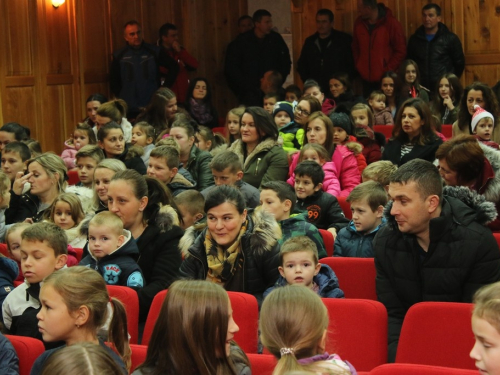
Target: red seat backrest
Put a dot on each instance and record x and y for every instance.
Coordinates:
(79, 253)
(447, 131)
(356, 276)
(130, 300)
(262, 364)
(412, 369)
(28, 350)
(386, 130)
(73, 178)
(437, 334)
(346, 207)
(138, 355)
(3, 250)
(221, 129)
(497, 237)
(357, 331)
(328, 241)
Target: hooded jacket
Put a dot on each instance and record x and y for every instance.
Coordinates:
(68, 155)
(119, 267)
(289, 135)
(260, 252)
(323, 210)
(297, 225)
(179, 184)
(198, 165)
(351, 243)
(383, 117)
(462, 256)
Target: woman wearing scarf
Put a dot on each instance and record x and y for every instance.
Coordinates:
(199, 103)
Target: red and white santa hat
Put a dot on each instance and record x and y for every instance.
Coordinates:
(479, 114)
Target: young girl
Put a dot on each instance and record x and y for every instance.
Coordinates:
(67, 213)
(363, 120)
(82, 136)
(207, 140)
(74, 306)
(143, 135)
(445, 105)
(13, 241)
(194, 333)
(293, 325)
(410, 76)
(233, 123)
(389, 85)
(199, 103)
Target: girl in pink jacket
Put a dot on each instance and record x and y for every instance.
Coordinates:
(82, 136)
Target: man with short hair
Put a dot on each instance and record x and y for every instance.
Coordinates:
(435, 246)
(245, 23)
(326, 52)
(435, 49)
(251, 55)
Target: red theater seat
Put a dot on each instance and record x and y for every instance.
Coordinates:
(130, 300)
(346, 207)
(28, 350)
(386, 130)
(262, 364)
(138, 355)
(446, 130)
(411, 369)
(328, 241)
(73, 178)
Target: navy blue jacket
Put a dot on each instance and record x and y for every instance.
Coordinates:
(351, 243)
(8, 358)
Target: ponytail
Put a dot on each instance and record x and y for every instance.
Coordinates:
(118, 331)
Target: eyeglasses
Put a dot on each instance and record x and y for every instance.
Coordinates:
(301, 111)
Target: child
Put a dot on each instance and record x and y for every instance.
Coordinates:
(323, 209)
(43, 251)
(486, 328)
(207, 140)
(34, 146)
(293, 324)
(380, 171)
(74, 304)
(191, 205)
(13, 242)
(278, 198)
(283, 117)
(14, 157)
(163, 164)
(367, 205)
(363, 120)
(82, 136)
(482, 125)
(381, 113)
(228, 170)
(67, 213)
(113, 251)
(292, 93)
(409, 74)
(233, 123)
(270, 100)
(87, 159)
(299, 265)
(143, 135)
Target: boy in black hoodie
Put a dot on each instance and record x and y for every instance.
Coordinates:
(323, 209)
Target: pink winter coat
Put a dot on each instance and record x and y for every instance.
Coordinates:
(331, 182)
(68, 155)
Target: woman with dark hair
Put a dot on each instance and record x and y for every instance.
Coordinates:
(237, 249)
(199, 103)
(409, 74)
(258, 149)
(413, 136)
(161, 110)
(445, 104)
(481, 94)
(148, 211)
(341, 90)
(391, 87)
(92, 105)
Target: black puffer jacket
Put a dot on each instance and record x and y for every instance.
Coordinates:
(260, 252)
(22, 207)
(392, 151)
(443, 54)
(463, 256)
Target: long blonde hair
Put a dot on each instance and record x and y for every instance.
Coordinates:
(487, 304)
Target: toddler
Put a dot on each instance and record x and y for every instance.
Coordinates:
(82, 136)
(143, 135)
(363, 120)
(207, 140)
(67, 213)
(381, 113)
(284, 119)
(482, 125)
(233, 123)
(292, 93)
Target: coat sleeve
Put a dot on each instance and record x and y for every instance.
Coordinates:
(18, 210)
(8, 357)
(388, 120)
(189, 61)
(68, 156)
(115, 79)
(398, 45)
(232, 68)
(277, 169)
(336, 216)
(302, 63)
(284, 63)
(190, 268)
(349, 175)
(331, 184)
(339, 248)
(205, 177)
(168, 67)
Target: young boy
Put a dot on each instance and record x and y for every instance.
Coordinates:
(270, 100)
(87, 159)
(278, 198)
(227, 170)
(170, 141)
(323, 209)
(381, 113)
(367, 205)
(43, 251)
(482, 125)
(292, 93)
(380, 171)
(284, 119)
(299, 265)
(191, 204)
(164, 165)
(14, 157)
(113, 251)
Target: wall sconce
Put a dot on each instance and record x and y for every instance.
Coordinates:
(57, 3)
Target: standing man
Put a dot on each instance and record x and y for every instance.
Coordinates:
(378, 43)
(251, 55)
(169, 41)
(135, 69)
(435, 246)
(326, 52)
(435, 49)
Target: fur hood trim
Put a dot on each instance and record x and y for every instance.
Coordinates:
(492, 192)
(355, 147)
(263, 233)
(265, 145)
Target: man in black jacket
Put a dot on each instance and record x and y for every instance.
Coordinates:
(326, 52)
(435, 49)
(435, 246)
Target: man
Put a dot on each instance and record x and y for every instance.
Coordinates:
(435, 49)
(434, 247)
(169, 40)
(378, 43)
(326, 52)
(245, 23)
(251, 55)
(134, 73)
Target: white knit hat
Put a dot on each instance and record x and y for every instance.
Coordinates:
(479, 114)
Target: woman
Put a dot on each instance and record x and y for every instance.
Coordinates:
(463, 161)
(482, 95)
(413, 136)
(445, 105)
(341, 90)
(193, 334)
(390, 86)
(199, 103)
(409, 74)
(236, 249)
(47, 176)
(311, 87)
(161, 110)
(193, 159)
(307, 104)
(115, 110)
(92, 104)
(319, 129)
(146, 209)
(258, 149)
(111, 140)
(103, 173)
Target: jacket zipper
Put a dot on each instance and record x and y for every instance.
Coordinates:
(257, 167)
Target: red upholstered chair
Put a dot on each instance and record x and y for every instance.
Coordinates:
(412, 369)
(138, 355)
(497, 237)
(17, 283)
(346, 207)
(130, 300)
(446, 130)
(356, 276)
(3, 250)
(79, 253)
(221, 129)
(262, 364)
(73, 178)
(28, 350)
(386, 130)
(437, 334)
(153, 314)
(328, 241)
(357, 331)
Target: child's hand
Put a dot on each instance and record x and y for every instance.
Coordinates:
(70, 140)
(20, 181)
(333, 231)
(448, 102)
(28, 220)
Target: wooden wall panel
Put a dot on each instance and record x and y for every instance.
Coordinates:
(19, 105)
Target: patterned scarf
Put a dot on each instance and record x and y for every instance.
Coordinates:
(201, 111)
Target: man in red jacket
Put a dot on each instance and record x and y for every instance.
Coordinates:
(378, 43)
